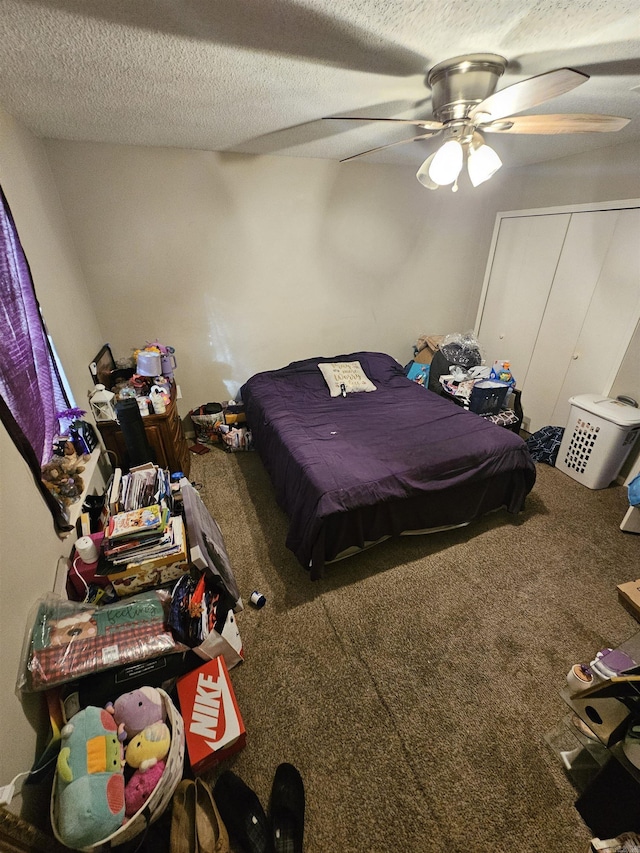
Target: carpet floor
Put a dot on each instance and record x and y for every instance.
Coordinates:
(413, 687)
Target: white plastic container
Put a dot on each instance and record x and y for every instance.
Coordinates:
(598, 437)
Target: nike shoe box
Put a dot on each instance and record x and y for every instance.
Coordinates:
(213, 724)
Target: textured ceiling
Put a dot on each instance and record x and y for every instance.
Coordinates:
(258, 76)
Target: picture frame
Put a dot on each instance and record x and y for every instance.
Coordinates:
(102, 367)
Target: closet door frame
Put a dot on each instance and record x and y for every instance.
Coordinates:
(621, 204)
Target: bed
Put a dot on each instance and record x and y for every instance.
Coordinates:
(354, 469)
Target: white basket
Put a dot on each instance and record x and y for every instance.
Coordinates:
(599, 434)
(161, 795)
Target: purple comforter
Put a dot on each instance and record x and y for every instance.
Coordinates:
(348, 470)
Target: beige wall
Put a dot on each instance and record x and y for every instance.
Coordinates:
(29, 547)
(245, 263)
(242, 264)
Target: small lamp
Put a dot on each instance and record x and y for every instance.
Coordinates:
(102, 406)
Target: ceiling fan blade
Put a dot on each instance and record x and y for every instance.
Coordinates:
(527, 93)
(577, 123)
(390, 145)
(433, 126)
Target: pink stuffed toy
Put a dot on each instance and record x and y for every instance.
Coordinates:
(140, 787)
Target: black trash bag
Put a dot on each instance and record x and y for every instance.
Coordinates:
(461, 350)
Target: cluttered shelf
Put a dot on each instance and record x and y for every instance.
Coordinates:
(451, 366)
(163, 432)
(135, 408)
(599, 743)
(95, 475)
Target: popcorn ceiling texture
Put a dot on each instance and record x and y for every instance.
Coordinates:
(258, 77)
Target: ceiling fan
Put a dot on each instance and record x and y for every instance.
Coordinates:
(466, 105)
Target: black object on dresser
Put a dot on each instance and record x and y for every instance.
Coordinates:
(163, 433)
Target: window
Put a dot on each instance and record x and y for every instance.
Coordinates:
(31, 387)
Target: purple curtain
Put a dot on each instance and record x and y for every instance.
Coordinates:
(31, 391)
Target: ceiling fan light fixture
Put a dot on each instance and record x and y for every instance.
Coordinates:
(423, 174)
(447, 163)
(482, 163)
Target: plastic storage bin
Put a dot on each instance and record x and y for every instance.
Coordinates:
(599, 434)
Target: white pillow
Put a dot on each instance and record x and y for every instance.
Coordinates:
(347, 373)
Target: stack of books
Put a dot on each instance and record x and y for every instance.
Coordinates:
(142, 486)
(144, 548)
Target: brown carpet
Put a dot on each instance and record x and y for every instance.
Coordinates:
(413, 687)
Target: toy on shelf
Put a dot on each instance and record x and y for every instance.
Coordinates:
(61, 475)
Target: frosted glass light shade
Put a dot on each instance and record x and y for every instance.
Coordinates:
(483, 162)
(447, 163)
(423, 173)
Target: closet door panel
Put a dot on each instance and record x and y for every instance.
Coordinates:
(576, 277)
(525, 258)
(611, 316)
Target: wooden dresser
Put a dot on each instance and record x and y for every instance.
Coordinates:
(164, 434)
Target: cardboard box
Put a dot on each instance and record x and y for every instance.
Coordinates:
(212, 722)
(134, 579)
(629, 597)
(156, 571)
(607, 718)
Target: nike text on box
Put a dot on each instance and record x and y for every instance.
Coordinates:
(213, 726)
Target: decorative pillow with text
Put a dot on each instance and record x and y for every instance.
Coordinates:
(345, 377)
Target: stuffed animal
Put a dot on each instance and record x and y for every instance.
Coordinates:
(138, 709)
(89, 797)
(62, 477)
(140, 787)
(149, 746)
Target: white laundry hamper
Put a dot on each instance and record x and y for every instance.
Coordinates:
(598, 437)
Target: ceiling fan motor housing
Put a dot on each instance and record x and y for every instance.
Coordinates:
(459, 84)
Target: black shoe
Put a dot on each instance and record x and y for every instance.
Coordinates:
(242, 814)
(286, 810)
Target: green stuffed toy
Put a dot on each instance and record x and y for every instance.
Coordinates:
(89, 801)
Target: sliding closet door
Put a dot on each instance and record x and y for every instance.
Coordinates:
(561, 301)
(611, 316)
(520, 276)
(557, 361)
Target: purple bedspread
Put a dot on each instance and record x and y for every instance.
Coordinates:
(348, 470)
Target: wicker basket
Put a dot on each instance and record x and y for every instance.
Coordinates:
(161, 795)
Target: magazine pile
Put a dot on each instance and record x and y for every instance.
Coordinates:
(144, 548)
